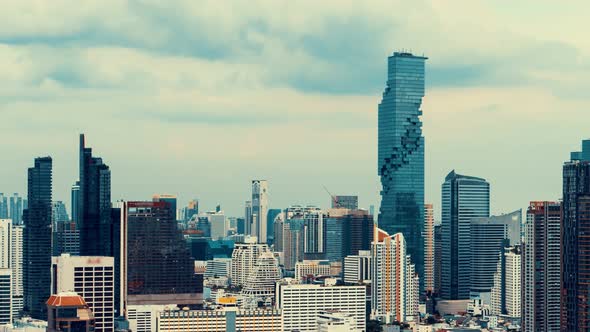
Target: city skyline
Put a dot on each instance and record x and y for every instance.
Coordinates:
(213, 98)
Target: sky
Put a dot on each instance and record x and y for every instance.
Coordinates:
(197, 98)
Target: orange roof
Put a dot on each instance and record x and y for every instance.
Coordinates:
(66, 300)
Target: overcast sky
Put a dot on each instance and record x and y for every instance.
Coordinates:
(196, 98)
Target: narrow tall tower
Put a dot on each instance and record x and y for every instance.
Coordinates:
(259, 210)
(401, 153)
(37, 239)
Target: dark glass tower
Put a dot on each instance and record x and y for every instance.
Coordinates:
(463, 198)
(94, 209)
(37, 239)
(160, 268)
(401, 154)
(575, 243)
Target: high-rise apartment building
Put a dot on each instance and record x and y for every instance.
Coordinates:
(244, 259)
(37, 239)
(259, 210)
(59, 213)
(345, 202)
(157, 259)
(401, 153)
(16, 265)
(489, 236)
(507, 289)
(428, 247)
(16, 209)
(5, 243)
(270, 223)
(357, 268)
(463, 198)
(260, 284)
(301, 304)
(394, 296)
(541, 267)
(575, 248)
(96, 227)
(437, 258)
(92, 277)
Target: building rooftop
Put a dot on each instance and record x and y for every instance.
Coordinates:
(66, 299)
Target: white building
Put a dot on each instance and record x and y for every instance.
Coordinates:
(218, 267)
(220, 321)
(5, 296)
(218, 222)
(357, 268)
(313, 268)
(394, 294)
(302, 303)
(260, 286)
(336, 322)
(144, 318)
(5, 239)
(506, 293)
(92, 277)
(244, 259)
(259, 210)
(16, 265)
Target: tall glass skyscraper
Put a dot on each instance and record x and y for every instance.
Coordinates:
(401, 153)
(94, 205)
(463, 199)
(37, 239)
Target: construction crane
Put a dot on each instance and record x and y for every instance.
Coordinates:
(334, 198)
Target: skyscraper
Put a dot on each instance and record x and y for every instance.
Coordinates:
(463, 198)
(37, 239)
(248, 218)
(75, 202)
(3, 206)
(157, 259)
(541, 268)
(489, 237)
(506, 289)
(244, 259)
(59, 213)
(5, 242)
(16, 265)
(259, 209)
(270, 222)
(96, 228)
(314, 225)
(428, 248)
(575, 247)
(401, 153)
(16, 209)
(5, 296)
(170, 199)
(437, 258)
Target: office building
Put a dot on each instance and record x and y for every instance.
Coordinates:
(394, 295)
(428, 248)
(68, 312)
(75, 200)
(357, 268)
(16, 209)
(154, 278)
(16, 265)
(313, 243)
(334, 321)
(506, 291)
(345, 202)
(5, 296)
(66, 239)
(170, 199)
(489, 236)
(293, 235)
(91, 277)
(59, 213)
(301, 304)
(358, 232)
(260, 285)
(144, 318)
(241, 225)
(401, 153)
(575, 250)
(256, 320)
(3, 206)
(95, 224)
(437, 257)
(463, 198)
(244, 259)
(270, 223)
(5, 242)
(218, 267)
(541, 267)
(219, 224)
(37, 239)
(312, 268)
(259, 210)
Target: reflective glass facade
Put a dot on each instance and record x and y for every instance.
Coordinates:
(401, 153)
(37, 239)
